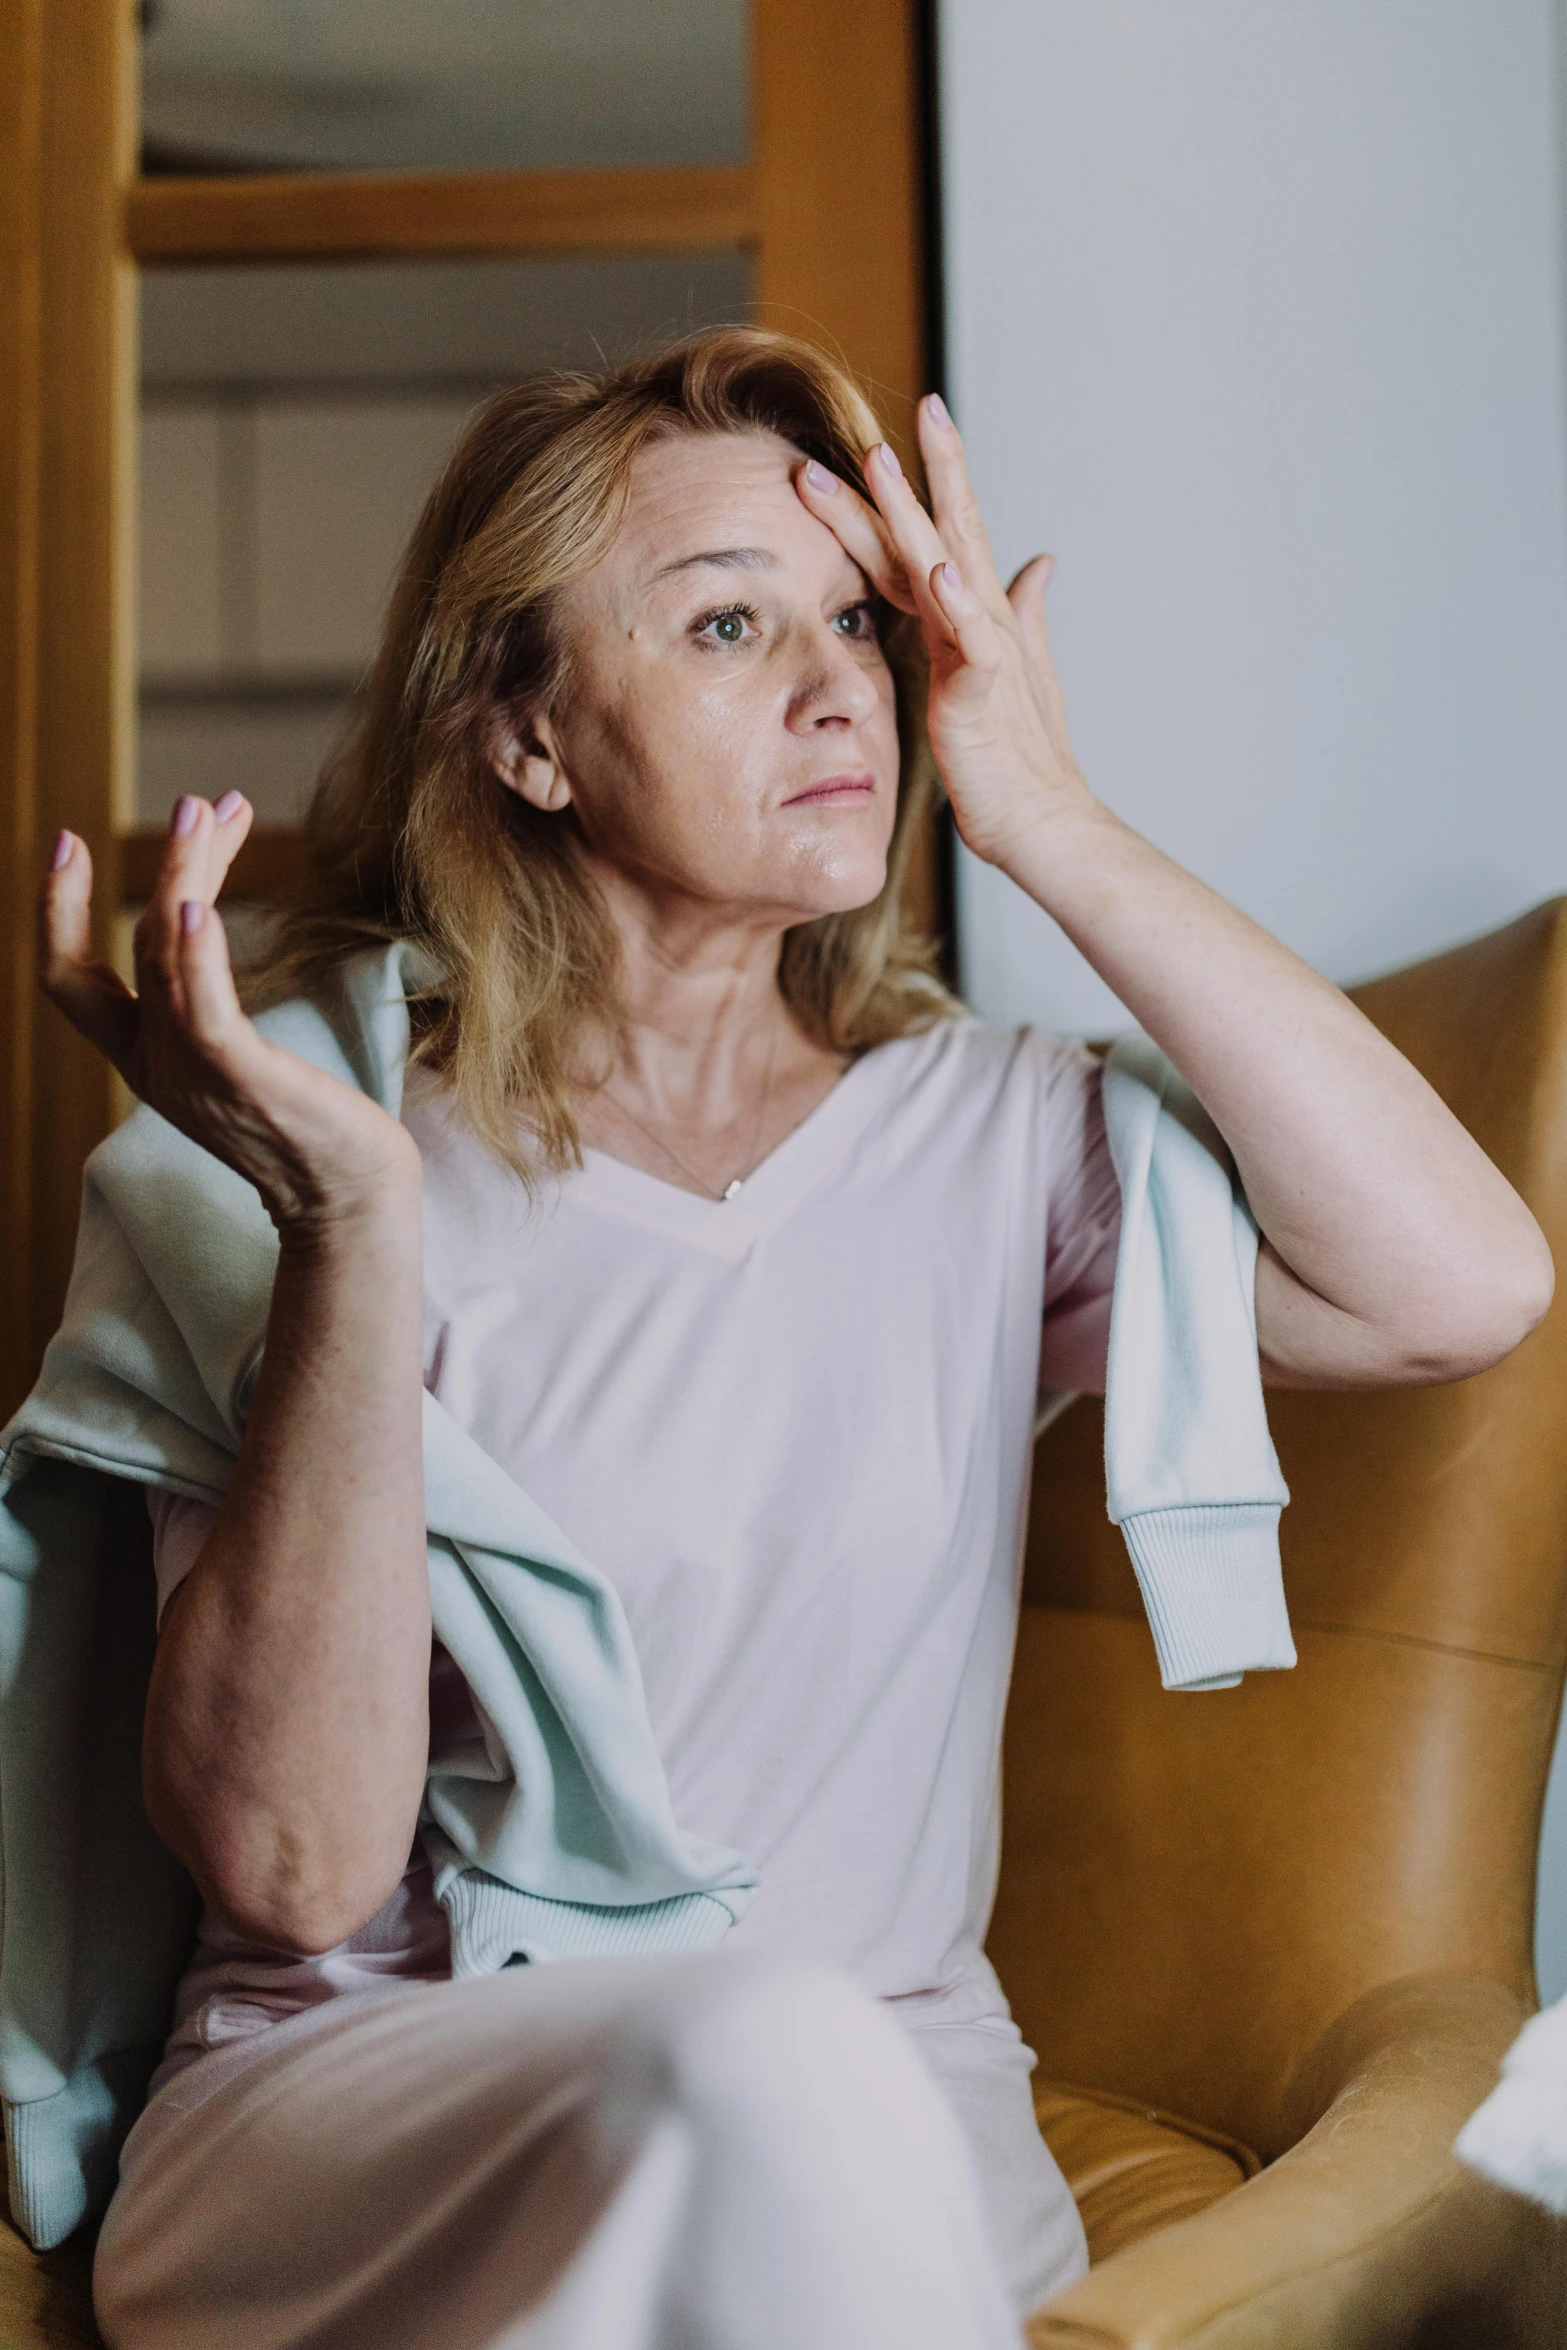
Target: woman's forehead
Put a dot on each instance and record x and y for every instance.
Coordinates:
(725, 494)
(684, 465)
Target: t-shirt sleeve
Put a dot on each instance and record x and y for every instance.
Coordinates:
(179, 1528)
(1084, 1228)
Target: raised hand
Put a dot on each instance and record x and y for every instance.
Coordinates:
(997, 720)
(314, 1148)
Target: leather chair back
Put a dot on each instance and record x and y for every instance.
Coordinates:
(1193, 1887)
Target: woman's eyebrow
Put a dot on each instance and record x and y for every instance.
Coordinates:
(721, 559)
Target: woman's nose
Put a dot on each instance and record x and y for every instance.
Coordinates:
(835, 684)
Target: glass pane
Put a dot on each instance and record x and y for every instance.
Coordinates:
(292, 421)
(358, 85)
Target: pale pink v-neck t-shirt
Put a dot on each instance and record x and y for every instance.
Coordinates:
(794, 1430)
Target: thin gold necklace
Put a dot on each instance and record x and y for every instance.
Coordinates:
(704, 1182)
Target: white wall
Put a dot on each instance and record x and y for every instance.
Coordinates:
(1256, 320)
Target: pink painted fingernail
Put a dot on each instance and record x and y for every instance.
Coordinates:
(186, 811)
(192, 914)
(936, 410)
(820, 479)
(888, 457)
(230, 805)
(951, 578)
(62, 852)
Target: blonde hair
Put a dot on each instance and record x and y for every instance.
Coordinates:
(411, 835)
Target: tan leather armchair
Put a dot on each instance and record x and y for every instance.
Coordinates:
(1300, 1913)
(1297, 1914)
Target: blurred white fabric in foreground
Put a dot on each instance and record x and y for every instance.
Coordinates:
(1519, 2135)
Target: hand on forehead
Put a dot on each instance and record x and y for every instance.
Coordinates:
(901, 547)
(723, 503)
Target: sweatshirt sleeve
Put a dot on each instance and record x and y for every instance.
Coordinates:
(1192, 1478)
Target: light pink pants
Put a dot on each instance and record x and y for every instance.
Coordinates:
(631, 2154)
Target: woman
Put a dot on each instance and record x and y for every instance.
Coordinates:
(734, 1247)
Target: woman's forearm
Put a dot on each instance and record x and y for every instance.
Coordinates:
(287, 1725)
(1394, 1249)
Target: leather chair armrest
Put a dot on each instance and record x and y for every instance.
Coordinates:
(1368, 2234)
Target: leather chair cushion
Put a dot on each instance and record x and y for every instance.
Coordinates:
(1133, 2170)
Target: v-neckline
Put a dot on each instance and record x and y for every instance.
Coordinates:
(793, 1167)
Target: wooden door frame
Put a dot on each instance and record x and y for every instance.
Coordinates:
(21, 309)
(66, 680)
(833, 207)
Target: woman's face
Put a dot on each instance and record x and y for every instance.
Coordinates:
(728, 732)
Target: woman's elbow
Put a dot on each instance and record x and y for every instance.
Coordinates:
(1536, 1280)
(292, 1926)
(263, 1888)
(1489, 1309)
(295, 1920)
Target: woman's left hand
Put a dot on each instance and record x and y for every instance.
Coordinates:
(997, 720)
(1394, 1253)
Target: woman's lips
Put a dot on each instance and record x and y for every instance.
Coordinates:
(835, 787)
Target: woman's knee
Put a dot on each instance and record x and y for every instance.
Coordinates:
(765, 2046)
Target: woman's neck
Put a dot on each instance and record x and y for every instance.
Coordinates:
(710, 1070)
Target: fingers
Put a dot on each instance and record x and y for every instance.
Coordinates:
(859, 530)
(953, 503)
(946, 574)
(969, 623)
(65, 909)
(207, 977)
(233, 816)
(1026, 595)
(202, 844)
(93, 998)
(914, 536)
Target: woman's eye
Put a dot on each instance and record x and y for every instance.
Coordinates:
(727, 627)
(856, 620)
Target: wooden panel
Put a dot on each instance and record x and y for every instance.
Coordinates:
(839, 187)
(84, 648)
(318, 215)
(266, 870)
(21, 44)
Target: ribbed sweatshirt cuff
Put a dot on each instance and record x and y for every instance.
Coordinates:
(61, 2150)
(44, 2179)
(494, 1925)
(1214, 1591)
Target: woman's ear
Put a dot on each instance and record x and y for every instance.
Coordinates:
(526, 755)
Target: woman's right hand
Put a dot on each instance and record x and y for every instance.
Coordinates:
(316, 1149)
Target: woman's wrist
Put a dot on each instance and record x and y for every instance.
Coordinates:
(1058, 848)
(339, 1209)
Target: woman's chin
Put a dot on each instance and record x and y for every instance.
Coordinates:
(840, 864)
(838, 885)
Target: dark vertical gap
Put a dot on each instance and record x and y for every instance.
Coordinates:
(927, 57)
(934, 273)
